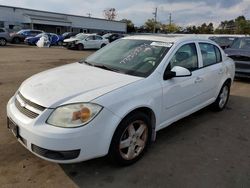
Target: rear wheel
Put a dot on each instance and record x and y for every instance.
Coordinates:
(131, 139)
(60, 43)
(3, 42)
(222, 98)
(16, 40)
(80, 47)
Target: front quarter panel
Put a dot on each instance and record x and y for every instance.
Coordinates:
(143, 93)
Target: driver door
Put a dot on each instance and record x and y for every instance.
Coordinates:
(182, 94)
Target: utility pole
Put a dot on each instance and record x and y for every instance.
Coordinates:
(170, 19)
(155, 17)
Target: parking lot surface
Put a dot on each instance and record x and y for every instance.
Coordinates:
(204, 150)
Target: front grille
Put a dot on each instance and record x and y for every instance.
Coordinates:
(41, 108)
(56, 155)
(27, 107)
(25, 111)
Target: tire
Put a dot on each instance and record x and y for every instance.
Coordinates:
(103, 45)
(3, 42)
(80, 47)
(16, 40)
(133, 130)
(60, 43)
(222, 99)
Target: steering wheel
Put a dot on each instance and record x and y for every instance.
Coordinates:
(150, 60)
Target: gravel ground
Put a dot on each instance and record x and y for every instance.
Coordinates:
(204, 150)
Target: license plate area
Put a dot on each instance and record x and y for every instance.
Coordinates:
(13, 128)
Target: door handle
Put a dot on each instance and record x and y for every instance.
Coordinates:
(198, 80)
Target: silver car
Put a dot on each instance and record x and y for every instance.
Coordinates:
(4, 37)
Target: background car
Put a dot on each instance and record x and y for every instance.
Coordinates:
(112, 36)
(223, 41)
(240, 53)
(85, 41)
(4, 37)
(54, 39)
(20, 36)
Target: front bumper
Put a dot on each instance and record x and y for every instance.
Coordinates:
(64, 145)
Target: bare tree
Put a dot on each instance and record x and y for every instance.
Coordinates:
(110, 13)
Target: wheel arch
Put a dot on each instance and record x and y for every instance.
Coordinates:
(146, 110)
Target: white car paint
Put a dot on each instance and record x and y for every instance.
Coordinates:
(88, 41)
(118, 94)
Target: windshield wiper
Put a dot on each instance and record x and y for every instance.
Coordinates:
(85, 62)
(106, 67)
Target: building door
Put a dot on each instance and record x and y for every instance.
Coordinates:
(58, 30)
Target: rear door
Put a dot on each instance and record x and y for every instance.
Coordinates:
(213, 69)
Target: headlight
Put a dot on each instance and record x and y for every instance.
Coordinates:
(74, 115)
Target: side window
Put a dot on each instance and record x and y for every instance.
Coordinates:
(90, 38)
(185, 57)
(1, 31)
(210, 54)
(98, 37)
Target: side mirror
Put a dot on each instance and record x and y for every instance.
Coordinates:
(177, 71)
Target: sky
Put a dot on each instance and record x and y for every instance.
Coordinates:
(184, 12)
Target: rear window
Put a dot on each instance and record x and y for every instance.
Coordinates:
(210, 54)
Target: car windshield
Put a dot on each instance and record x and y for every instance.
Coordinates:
(223, 41)
(241, 43)
(41, 34)
(107, 35)
(80, 36)
(130, 56)
(22, 31)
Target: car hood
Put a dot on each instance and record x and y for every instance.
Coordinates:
(237, 52)
(71, 40)
(71, 84)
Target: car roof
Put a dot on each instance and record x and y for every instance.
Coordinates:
(171, 38)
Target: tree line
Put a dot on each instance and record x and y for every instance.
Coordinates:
(239, 25)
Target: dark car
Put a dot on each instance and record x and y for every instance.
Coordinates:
(240, 53)
(223, 41)
(20, 36)
(112, 36)
(67, 35)
(53, 38)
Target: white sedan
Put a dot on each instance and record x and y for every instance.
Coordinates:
(114, 102)
(86, 41)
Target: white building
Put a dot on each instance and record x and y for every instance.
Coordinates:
(17, 18)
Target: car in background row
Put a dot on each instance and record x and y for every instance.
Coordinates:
(20, 36)
(85, 41)
(4, 37)
(223, 41)
(239, 51)
(112, 36)
(53, 38)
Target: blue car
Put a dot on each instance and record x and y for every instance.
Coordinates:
(53, 38)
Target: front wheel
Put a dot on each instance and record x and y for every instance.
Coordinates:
(80, 47)
(3, 42)
(131, 139)
(222, 98)
(103, 45)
